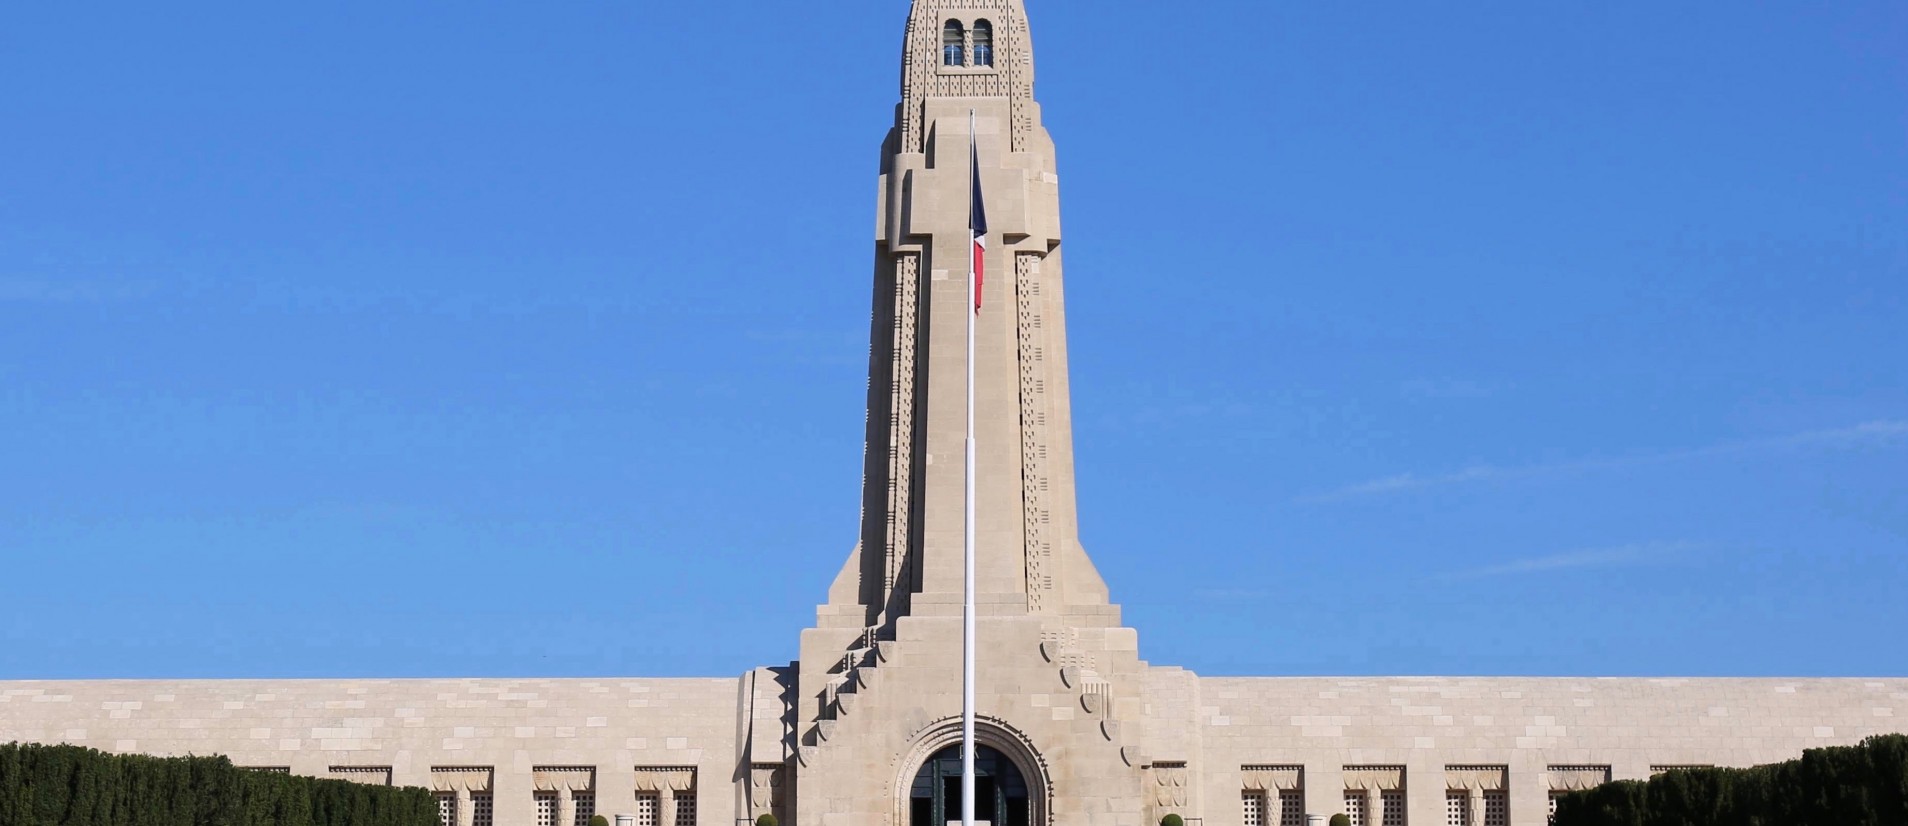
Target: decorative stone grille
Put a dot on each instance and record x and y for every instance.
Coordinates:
(1457, 808)
(1393, 804)
(685, 808)
(1252, 809)
(1355, 802)
(1291, 807)
(1496, 809)
(546, 809)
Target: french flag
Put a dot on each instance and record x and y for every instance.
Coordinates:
(977, 222)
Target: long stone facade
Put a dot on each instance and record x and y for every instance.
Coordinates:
(1076, 729)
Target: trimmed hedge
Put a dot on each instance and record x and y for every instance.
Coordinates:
(1865, 785)
(72, 786)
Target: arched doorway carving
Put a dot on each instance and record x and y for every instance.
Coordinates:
(1011, 777)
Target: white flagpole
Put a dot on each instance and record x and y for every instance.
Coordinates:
(967, 612)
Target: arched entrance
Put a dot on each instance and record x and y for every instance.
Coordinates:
(1001, 796)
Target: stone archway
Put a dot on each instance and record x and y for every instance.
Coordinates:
(1001, 796)
(1011, 777)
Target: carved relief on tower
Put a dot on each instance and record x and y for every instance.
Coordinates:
(901, 425)
(1035, 509)
(1019, 78)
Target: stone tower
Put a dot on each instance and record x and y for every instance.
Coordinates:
(877, 691)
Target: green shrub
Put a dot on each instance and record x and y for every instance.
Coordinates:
(1172, 820)
(766, 820)
(1341, 820)
(599, 820)
(1865, 784)
(52, 785)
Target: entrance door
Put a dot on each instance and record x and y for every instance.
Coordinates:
(1000, 793)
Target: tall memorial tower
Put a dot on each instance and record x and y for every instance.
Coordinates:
(880, 677)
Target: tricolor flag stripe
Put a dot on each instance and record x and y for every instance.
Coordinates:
(977, 222)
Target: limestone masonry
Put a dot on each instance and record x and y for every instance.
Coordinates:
(1077, 730)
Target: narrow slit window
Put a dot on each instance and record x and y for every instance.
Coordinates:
(953, 44)
(983, 43)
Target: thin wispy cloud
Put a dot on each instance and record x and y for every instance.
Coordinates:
(1876, 433)
(1618, 557)
(43, 291)
(1444, 389)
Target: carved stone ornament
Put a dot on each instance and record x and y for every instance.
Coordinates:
(665, 778)
(1169, 785)
(1578, 778)
(1274, 778)
(1478, 778)
(1374, 778)
(765, 788)
(471, 779)
(557, 778)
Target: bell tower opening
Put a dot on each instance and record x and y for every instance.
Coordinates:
(1000, 791)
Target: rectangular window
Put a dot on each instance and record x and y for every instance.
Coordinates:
(1457, 808)
(686, 808)
(447, 808)
(585, 807)
(647, 806)
(1292, 808)
(1355, 800)
(1393, 802)
(482, 811)
(1554, 797)
(546, 809)
(1252, 809)
(1497, 808)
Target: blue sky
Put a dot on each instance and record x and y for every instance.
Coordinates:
(430, 339)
